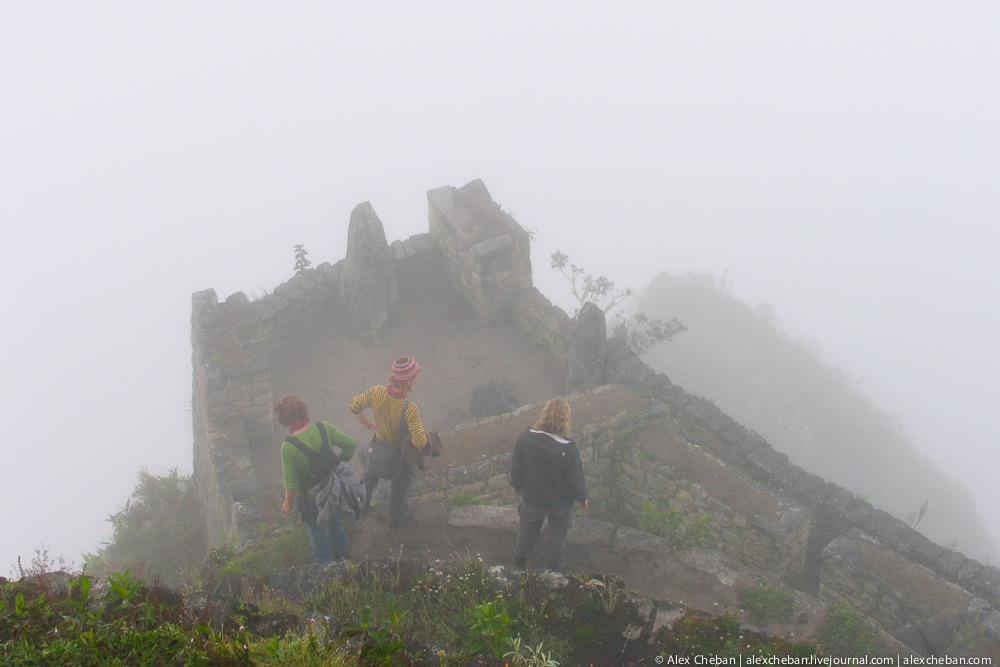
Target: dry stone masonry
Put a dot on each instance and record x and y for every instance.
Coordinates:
(719, 478)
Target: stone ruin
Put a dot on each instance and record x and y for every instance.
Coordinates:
(769, 515)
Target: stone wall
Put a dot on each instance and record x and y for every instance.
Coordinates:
(486, 251)
(232, 396)
(627, 483)
(800, 528)
(923, 593)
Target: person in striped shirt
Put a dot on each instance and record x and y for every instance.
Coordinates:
(391, 427)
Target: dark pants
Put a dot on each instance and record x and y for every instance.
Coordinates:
(530, 526)
(400, 486)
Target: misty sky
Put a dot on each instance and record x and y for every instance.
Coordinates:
(838, 159)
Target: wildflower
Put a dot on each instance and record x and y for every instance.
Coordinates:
(441, 653)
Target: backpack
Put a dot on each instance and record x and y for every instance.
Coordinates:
(331, 485)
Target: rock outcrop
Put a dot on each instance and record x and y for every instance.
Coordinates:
(368, 285)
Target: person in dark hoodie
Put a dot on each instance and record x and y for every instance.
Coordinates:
(546, 472)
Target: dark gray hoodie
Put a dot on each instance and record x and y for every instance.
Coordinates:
(547, 470)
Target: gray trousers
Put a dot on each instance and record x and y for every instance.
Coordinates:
(530, 526)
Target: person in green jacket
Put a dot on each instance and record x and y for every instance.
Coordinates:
(329, 542)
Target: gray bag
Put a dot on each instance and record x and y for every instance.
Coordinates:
(332, 485)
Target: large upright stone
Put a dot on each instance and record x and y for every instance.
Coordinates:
(368, 284)
(586, 350)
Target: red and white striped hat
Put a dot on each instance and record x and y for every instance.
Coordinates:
(405, 368)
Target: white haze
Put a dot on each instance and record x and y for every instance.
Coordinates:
(838, 159)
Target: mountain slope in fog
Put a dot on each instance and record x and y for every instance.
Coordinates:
(737, 356)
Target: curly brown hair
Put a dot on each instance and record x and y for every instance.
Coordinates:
(291, 409)
(555, 418)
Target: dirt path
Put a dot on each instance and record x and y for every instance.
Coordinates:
(429, 536)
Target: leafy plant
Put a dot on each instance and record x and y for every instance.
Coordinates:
(301, 259)
(125, 586)
(381, 640)
(846, 634)
(461, 498)
(490, 627)
(157, 532)
(639, 330)
(668, 523)
(766, 602)
(41, 563)
(525, 655)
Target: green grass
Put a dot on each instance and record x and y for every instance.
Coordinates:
(285, 549)
(373, 613)
(847, 634)
(767, 602)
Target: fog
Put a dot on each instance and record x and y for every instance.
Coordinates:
(839, 161)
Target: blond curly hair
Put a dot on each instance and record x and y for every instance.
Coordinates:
(555, 418)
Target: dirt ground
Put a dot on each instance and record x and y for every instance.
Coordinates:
(327, 368)
(429, 536)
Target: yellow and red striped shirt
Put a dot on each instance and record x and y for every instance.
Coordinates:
(387, 410)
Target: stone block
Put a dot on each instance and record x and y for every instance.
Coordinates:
(767, 459)
(617, 350)
(238, 299)
(422, 242)
(484, 516)
(928, 552)
(769, 528)
(629, 541)
(951, 562)
(911, 637)
(843, 552)
(824, 493)
(890, 530)
(788, 475)
(733, 433)
(654, 382)
(858, 512)
(750, 443)
(808, 483)
(840, 500)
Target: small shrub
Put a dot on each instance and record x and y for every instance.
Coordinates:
(846, 634)
(301, 259)
(490, 627)
(668, 523)
(159, 531)
(767, 602)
